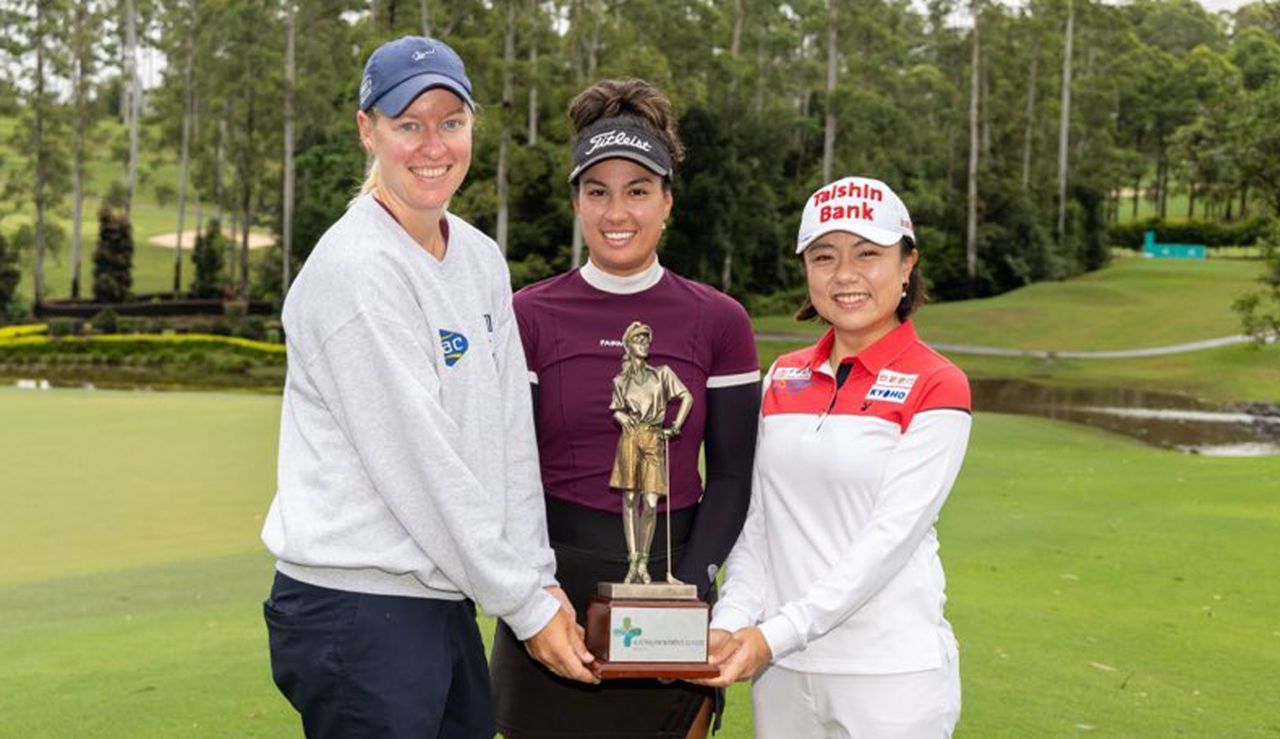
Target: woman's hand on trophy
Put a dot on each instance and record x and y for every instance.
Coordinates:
(559, 646)
(720, 646)
(750, 654)
(671, 432)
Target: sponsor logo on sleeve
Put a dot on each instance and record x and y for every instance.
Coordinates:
(454, 345)
(891, 387)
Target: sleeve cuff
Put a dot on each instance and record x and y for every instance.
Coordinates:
(549, 577)
(781, 636)
(533, 615)
(729, 618)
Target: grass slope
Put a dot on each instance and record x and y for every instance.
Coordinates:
(1132, 303)
(1094, 583)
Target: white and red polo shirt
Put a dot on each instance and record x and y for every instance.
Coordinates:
(838, 561)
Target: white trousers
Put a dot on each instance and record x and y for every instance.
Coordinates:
(806, 705)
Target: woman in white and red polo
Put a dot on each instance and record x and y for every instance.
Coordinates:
(833, 597)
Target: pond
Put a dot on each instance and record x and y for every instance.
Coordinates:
(1160, 419)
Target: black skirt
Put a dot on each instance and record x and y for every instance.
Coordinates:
(532, 703)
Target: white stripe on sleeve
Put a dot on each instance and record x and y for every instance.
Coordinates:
(743, 378)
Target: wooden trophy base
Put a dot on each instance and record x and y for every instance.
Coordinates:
(660, 670)
(645, 637)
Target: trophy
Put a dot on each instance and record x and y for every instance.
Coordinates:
(641, 628)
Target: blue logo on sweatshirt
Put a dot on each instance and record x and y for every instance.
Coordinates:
(454, 345)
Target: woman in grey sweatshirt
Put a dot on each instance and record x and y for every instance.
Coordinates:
(408, 485)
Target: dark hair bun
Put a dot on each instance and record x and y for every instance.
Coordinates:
(610, 98)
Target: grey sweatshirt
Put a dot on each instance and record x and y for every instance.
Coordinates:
(408, 464)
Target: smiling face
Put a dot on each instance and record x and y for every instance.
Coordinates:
(621, 206)
(423, 155)
(856, 287)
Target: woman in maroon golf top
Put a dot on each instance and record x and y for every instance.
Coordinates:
(572, 327)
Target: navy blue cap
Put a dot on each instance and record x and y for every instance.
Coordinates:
(401, 70)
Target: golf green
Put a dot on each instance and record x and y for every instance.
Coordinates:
(1096, 586)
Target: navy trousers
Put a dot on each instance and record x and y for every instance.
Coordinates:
(359, 665)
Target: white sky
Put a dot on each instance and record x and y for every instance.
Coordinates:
(1216, 5)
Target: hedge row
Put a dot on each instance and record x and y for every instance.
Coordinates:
(155, 306)
(13, 332)
(143, 343)
(109, 322)
(199, 359)
(191, 361)
(1191, 231)
(177, 361)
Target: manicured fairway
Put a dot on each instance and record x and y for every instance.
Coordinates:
(1097, 587)
(1132, 303)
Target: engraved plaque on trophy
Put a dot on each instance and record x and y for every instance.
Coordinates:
(641, 628)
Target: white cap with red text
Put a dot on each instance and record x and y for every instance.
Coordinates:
(861, 206)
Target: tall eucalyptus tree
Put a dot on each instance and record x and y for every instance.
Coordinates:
(85, 33)
(1064, 121)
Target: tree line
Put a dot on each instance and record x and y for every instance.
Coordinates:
(1015, 134)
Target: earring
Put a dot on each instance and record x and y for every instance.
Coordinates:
(904, 289)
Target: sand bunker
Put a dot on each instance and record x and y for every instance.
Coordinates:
(170, 240)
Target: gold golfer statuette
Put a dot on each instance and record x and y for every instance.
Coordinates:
(641, 394)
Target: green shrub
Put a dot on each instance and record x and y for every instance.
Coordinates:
(9, 274)
(64, 326)
(529, 270)
(113, 258)
(107, 321)
(252, 327)
(1191, 231)
(208, 255)
(783, 302)
(15, 311)
(134, 325)
(1259, 310)
(235, 309)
